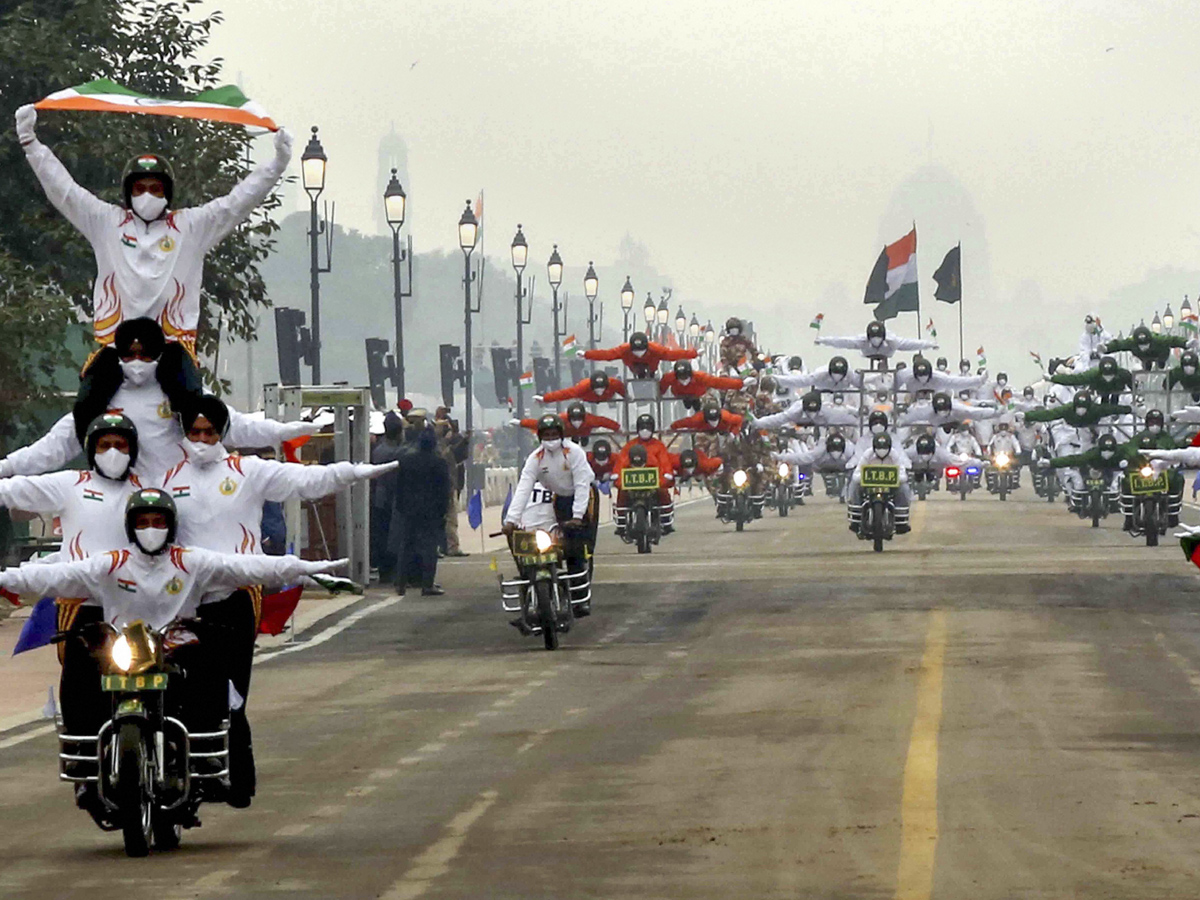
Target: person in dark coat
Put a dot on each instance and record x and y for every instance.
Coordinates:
(423, 488)
(383, 496)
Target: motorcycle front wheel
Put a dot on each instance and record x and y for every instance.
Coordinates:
(544, 596)
(134, 805)
(1150, 524)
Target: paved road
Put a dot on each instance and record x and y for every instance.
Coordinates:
(778, 713)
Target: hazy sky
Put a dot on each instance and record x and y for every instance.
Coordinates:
(755, 148)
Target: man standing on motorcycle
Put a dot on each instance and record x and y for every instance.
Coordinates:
(601, 459)
(922, 379)
(943, 410)
(555, 490)
(834, 376)
(1186, 375)
(220, 498)
(808, 410)
(1108, 457)
(1152, 350)
(1004, 442)
(696, 464)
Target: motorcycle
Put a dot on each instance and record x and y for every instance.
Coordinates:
(736, 504)
(962, 480)
(1097, 498)
(786, 490)
(878, 515)
(149, 772)
(835, 484)
(641, 518)
(1147, 503)
(1045, 479)
(545, 591)
(924, 480)
(1002, 475)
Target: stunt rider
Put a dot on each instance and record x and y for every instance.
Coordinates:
(922, 378)
(579, 422)
(1091, 343)
(596, 388)
(877, 344)
(149, 257)
(882, 453)
(1107, 380)
(1108, 457)
(1152, 350)
(219, 497)
(641, 354)
(689, 385)
(833, 376)
(808, 410)
(710, 419)
(657, 456)
(555, 489)
(1186, 375)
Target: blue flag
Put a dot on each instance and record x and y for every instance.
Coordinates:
(39, 628)
(605, 487)
(475, 510)
(507, 501)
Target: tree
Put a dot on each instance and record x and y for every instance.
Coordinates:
(152, 47)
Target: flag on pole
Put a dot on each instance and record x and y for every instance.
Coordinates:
(816, 323)
(570, 347)
(475, 510)
(277, 608)
(223, 104)
(39, 629)
(1037, 359)
(526, 381)
(1190, 323)
(931, 329)
(949, 277)
(507, 502)
(893, 282)
(982, 356)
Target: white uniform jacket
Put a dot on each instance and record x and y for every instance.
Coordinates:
(545, 475)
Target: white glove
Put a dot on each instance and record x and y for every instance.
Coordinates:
(749, 381)
(283, 145)
(1124, 464)
(368, 470)
(26, 119)
(289, 431)
(759, 466)
(317, 567)
(538, 398)
(514, 421)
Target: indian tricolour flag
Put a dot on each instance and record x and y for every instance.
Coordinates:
(223, 104)
(893, 282)
(816, 322)
(1190, 322)
(570, 348)
(526, 381)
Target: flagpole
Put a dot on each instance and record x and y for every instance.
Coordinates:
(960, 330)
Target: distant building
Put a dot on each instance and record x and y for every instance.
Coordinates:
(393, 154)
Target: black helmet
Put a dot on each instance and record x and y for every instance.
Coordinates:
(835, 444)
(576, 413)
(943, 364)
(637, 455)
(550, 422)
(1155, 417)
(1106, 442)
(964, 365)
(881, 442)
(688, 460)
(942, 403)
(876, 329)
(1188, 358)
(877, 417)
(150, 500)
(598, 382)
(795, 363)
(1027, 392)
(1002, 377)
(1082, 398)
(712, 413)
(639, 341)
(926, 445)
(601, 450)
(1141, 335)
(110, 423)
(147, 164)
(1108, 366)
(811, 402)
(682, 369)
(733, 322)
(838, 366)
(645, 422)
(922, 368)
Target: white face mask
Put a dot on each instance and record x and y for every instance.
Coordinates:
(204, 455)
(151, 540)
(1092, 328)
(1189, 370)
(1155, 429)
(645, 434)
(553, 445)
(686, 381)
(148, 207)
(1106, 454)
(1002, 381)
(876, 341)
(734, 332)
(638, 353)
(1107, 376)
(877, 429)
(112, 463)
(881, 453)
(139, 372)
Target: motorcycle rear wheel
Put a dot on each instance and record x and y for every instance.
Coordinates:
(134, 806)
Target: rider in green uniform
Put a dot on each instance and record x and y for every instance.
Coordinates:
(1153, 350)
(1108, 380)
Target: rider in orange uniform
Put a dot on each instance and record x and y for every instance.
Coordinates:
(578, 422)
(711, 418)
(657, 455)
(597, 388)
(641, 355)
(695, 464)
(683, 381)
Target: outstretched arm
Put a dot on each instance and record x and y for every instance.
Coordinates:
(1044, 414)
(280, 481)
(604, 422)
(246, 431)
(80, 578)
(47, 454)
(846, 343)
(216, 219)
(903, 343)
(234, 569)
(83, 209)
(1074, 378)
(673, 353)
(45, 494)
(611, 353)
(799, 380)
(1188, 456)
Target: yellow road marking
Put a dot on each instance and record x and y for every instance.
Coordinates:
(435, 860)
(916, 516)
(918, 806)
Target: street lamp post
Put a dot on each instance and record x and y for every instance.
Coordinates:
(312, 171)
(1168, 318)
(394, 203)
(680, 327)
(1156, 323)
(710, 340)
(662, 314)
(591, 286)
(554, 271)
(694, 331)
(468, 233)
(520, 256)
(626, 306)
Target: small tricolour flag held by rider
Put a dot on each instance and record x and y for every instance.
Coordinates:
(982, 356)
(1190, 323)
(570, 347)
(526, 381)
(223, 104)
(816, 322)
(931, 329)
(1037, 358)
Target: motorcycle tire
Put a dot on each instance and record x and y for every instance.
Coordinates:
(1096, 512)
(1003, 493)
(135, 808)
(544, 596)
(962, 495)
(641, 530)
(739, 524)
(783, 510)
(1150, 524)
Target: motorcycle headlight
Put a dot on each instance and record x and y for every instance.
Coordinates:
(122, 654)
(783, 470)
(1002, 459)
(1147, 471)
(544, 540)
(740, 478)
